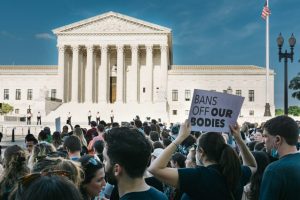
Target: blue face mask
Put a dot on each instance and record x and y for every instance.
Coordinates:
(274, 153)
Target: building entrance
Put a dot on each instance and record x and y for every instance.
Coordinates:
(113, 89)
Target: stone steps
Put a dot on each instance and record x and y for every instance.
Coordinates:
(122, 112)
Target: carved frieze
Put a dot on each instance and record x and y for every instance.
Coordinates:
(112, 24)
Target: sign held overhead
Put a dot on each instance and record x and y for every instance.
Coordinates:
(214, 111)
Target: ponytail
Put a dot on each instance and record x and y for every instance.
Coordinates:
(230, 167)
(218, 151)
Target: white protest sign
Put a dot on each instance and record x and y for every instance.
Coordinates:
(214, 111)
(58, 124)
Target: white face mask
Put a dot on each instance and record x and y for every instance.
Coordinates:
(198, 162)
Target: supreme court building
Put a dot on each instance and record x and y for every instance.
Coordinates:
(116, 62)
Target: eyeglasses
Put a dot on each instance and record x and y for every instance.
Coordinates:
(25, 181)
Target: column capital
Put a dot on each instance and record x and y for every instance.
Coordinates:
(104, 47)
(120, 47)
(75, 48)
(134, 47)
(89, 47)
(61, 48)
(149, 47)
(163, 47)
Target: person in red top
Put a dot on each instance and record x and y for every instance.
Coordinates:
(89, 134)
(98, 136)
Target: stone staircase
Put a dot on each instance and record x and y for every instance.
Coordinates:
(122, 112)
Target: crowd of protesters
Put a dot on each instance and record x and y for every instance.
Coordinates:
(148, 160)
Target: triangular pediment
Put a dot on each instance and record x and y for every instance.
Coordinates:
(111, 22)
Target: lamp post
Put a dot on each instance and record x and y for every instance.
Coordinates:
(286, 56)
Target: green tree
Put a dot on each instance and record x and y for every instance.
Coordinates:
(278, 111)
(294, 110)
(295, 85)
(6, 108)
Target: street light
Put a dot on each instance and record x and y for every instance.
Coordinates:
(286, 56)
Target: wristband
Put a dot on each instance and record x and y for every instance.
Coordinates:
(175, 144)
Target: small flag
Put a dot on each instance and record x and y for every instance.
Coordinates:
(265, 12)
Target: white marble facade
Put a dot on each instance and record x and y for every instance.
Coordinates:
(113, 61)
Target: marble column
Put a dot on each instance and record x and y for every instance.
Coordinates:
(103, 76)
(135, 72)
(96, 63)
(149, 72)
(120, 73)
(61, 70)
(89, 75)
(69, 76)
(164, 72)
(75, 76)
(81, 73)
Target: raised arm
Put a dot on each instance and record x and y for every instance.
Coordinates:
(159, 166)
(248, 158)
(71, 126)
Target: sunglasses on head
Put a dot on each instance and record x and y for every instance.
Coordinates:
(92, 161)
(57, 154)
(25, 181)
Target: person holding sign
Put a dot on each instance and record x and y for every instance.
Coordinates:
(221, 175)
(69, 118)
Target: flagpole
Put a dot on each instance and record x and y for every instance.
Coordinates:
(267, 107)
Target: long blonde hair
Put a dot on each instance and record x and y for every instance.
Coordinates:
(14, 167)
(78, 132)
(39, 152)
(58, 163)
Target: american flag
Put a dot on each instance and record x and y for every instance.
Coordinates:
(265, 12)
